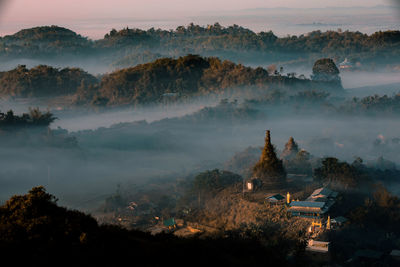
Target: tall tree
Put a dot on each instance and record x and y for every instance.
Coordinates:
(325, 70)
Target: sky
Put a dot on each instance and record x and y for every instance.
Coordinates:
(96, 17)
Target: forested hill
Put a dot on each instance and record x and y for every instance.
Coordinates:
(47, 40)
(189, 75)
(216, 37)
(163, 79)
(192, 75)
(43, 81)
(234, 43)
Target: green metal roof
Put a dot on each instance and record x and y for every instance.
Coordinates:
(169, 222)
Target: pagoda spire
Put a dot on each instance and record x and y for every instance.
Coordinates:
(269, 168)
(267, 137)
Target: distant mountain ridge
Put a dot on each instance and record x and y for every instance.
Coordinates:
(45, 40)
(50, 33)
(234, 43)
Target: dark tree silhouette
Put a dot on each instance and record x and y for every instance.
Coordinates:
(33, 225)
(325, 70)
(34, 118)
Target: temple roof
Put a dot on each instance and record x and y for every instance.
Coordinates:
(307, 204)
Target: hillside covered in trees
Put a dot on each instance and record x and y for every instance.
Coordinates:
(33, 224)
(32, 130)
(202, 145)
(235, 43)
(34, 118)
(153, 82)
(43, 81)
(47, 41)
(189, 75)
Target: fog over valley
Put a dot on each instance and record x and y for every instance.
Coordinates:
(252, 134)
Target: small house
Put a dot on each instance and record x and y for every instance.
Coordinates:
(275, 199)
(317, 246)
(170, 223)
(249, 186)
(253, 184)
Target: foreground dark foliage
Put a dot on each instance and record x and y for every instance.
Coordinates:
(34, 226)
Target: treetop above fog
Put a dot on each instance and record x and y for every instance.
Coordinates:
(325, 66)
(42, 81)
(325, 69)
(34, 118)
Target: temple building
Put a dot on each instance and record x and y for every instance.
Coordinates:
(308, 209)
(316, 205)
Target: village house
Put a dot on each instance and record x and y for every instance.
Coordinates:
(170, 223)
(317, 246)
(253, 184)
(307, 209)
(275, 199)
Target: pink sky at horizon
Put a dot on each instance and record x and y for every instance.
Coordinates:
(84, 16)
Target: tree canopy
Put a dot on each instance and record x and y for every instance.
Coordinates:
(215, 180)
(232, 42)
(34, 118)
(43, 81)
(336, 172)
(325, 69)
(44, 41)
(33, 225)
